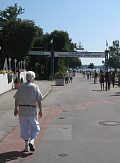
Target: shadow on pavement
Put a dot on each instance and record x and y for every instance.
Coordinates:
(94, 83)
(13, 155)
(98, 90)
(116, 94)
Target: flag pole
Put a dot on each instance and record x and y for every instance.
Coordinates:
(106, 44)
(51, 42)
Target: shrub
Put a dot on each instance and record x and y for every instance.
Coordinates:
(59, 75)
(16, 80)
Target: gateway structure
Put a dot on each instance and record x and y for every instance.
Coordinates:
(86, 54)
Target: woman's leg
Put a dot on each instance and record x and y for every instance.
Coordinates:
(101, 86)
(106, 85)
(113, 83)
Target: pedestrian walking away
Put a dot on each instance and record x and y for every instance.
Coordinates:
(102, 80)
(66, 77)
(95, 77)
(107, 80)
(100, 74)
(90, 74)
(27, 97)
(84, 74)
(71, 76)
(110, 74)
(113, 78)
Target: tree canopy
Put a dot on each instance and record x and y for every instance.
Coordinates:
(114, 55)
(9, 13)
(16, 35)
(19, 37)
(91, 66)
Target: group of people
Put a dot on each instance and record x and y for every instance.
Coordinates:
(89, 74)
(68, 77)
(108, 78)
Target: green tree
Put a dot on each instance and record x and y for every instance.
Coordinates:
(60, 38)
(73, 62)
(1, 48)
(38, 40)
(9, 13)
(114, 55)
(61, 65)
(46, 42)
(91, 66)
(61, 41)
(19, 37)
(6, 15)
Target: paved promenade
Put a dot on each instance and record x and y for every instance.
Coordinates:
(80, 124)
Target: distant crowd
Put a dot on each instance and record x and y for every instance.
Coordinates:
(108, 78)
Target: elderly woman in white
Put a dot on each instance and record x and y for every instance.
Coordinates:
(27, 97)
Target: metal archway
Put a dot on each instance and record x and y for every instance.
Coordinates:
(86, 54)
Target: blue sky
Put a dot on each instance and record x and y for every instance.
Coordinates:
(90, 22)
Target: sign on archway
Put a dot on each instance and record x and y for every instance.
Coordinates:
(80, 54)
(72, 54)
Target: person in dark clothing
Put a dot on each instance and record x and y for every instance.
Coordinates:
(95, 77)
(113, 78)
(107, 80)
(102, 80)
(90, 74)
(110, 74)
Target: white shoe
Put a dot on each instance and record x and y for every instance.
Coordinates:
(27, 148)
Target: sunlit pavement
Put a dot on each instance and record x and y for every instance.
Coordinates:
(72, 132)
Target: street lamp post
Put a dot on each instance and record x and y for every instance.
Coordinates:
(24, 64)
(9, 63)
(21, 64)
(15, 65)
(19, 71)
